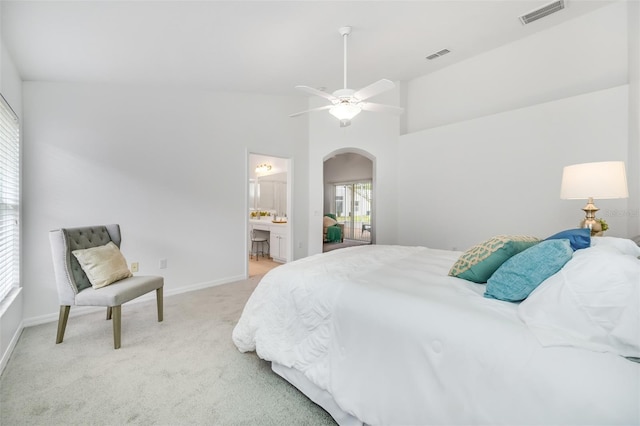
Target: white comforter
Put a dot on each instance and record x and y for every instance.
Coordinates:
(396, 341)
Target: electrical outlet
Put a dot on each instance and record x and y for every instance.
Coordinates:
(134, 267)
(163, 263)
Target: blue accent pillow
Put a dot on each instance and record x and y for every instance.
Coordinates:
(578, 238)
(522, 273)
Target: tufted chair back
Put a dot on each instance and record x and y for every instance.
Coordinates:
(70, 277)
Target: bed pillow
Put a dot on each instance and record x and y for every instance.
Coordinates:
(479, 262)
(103, 265)
(522, 273)
(579, 238)
(621, 245)
(328, 221)
(592, 303)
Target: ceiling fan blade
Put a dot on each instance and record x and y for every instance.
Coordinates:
(374, 88)
(389, 109)
(317, 92)
(311, 110)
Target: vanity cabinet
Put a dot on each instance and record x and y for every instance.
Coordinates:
(278, 243)
(278, 235)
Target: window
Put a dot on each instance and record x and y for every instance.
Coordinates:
(9, 199)
(353, 208)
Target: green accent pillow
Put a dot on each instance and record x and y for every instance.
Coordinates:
(479, 262)
(525, 271)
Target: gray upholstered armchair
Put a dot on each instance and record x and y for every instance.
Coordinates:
(75, 288)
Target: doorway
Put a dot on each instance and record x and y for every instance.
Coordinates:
(349, 194)
(268, 212)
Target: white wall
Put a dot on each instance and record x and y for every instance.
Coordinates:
(11, 310)
(463, 183)
(169, 165)
(586, 54)
(497, 130)
(633, 174)
(373, 133)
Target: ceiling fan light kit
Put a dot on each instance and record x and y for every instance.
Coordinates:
(345, 111)
(347, 103)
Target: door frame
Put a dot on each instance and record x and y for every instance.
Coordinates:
(288, 163)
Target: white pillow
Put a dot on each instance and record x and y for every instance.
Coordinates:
(593, 302)
(103, 264)
(328, 221)
(623, 245)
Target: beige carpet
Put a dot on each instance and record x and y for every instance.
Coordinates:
(346, 243)
(183, 371)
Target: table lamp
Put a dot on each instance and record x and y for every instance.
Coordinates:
(604, 180)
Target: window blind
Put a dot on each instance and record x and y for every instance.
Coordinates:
(9, 199)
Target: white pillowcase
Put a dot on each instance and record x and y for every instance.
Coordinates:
(103, 264)
(593, 302)
(623, 245)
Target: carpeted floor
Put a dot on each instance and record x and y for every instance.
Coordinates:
(346, 243)
(183, 371)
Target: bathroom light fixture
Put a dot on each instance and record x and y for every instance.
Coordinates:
(263, 168)
(606, 179)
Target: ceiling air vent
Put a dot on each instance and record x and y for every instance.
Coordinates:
(541, 12)
(438, 54)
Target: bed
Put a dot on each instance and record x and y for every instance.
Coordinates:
(383, 335)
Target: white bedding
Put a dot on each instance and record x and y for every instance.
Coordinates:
(395, 341)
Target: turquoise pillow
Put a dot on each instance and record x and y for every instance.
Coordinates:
(521, 274)
(479, 262)
(579, 238)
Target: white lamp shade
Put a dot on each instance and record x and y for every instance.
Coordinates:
(345, 111)
(601, 180)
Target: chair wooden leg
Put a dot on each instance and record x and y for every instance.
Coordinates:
(159, 300)
(117, 315)
(62, 322)
(108, 313)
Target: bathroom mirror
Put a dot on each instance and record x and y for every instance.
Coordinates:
(270, 193)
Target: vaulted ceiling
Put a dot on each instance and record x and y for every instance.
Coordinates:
(257, 46)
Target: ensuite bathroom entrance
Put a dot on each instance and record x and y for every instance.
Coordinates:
(269, 213)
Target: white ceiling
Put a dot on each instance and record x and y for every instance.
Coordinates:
(259, 46)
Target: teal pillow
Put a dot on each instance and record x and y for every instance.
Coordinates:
(525, 271)
(579, 238)
(479, 262)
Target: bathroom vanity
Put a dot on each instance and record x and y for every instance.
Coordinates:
(277, 234)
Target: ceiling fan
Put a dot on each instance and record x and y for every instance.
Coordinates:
(347, 103)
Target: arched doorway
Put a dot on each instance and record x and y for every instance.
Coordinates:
(348, 178)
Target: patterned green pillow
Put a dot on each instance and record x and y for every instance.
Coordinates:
(479, 262)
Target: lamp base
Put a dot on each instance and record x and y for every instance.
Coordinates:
(596, 228)
(590, 210)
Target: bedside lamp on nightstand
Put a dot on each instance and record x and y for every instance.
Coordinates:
(605, 180)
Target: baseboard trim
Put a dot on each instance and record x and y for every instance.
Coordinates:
(83, 310)
(7, 353)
